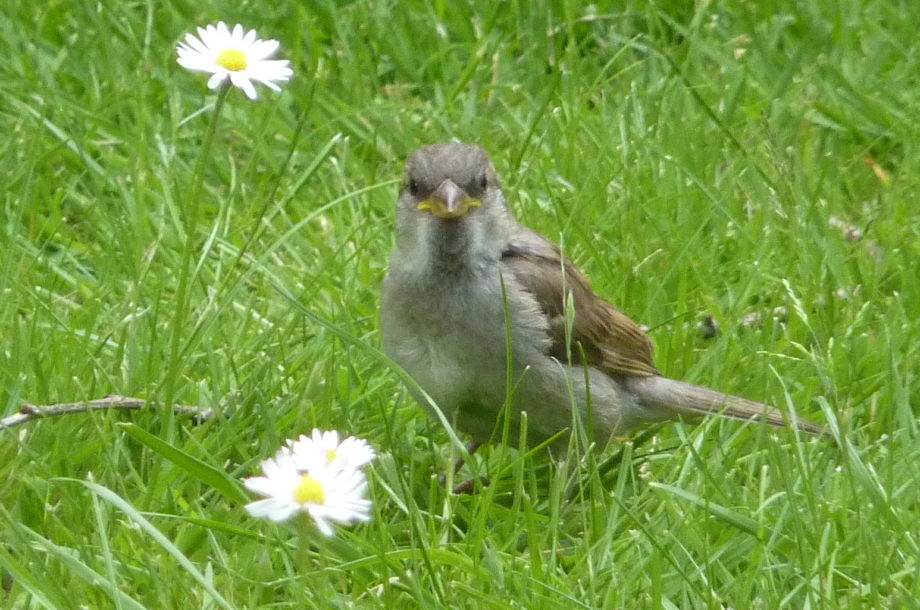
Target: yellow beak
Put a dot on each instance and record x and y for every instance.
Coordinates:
(449, 201)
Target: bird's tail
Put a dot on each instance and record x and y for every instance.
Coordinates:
(687, 399)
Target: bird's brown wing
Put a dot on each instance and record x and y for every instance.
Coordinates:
(609, 340)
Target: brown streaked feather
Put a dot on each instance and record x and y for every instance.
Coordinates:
(610, 340)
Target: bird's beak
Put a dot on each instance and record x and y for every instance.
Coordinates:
(449, 201)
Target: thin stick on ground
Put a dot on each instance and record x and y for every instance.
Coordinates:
(29, 412)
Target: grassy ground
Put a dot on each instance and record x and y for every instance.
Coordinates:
(756, 162)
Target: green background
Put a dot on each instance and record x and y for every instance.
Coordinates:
(752, 161)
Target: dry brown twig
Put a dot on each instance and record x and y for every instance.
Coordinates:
(28, 413)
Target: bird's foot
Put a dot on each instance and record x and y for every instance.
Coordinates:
(468, 486)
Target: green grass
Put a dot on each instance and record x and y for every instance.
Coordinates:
(692, 161)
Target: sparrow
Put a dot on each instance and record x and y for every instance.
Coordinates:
(483, 313)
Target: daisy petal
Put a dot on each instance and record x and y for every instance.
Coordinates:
(242, 81)
(216, 79)
(322, 524)
(263, 49)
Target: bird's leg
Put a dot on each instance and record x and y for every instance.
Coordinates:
(468, 486)
(471, 448)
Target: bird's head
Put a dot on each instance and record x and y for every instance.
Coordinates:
(451, 202)
(448, 181)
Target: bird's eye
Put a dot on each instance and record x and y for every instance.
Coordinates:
(413, 187)
(483, 181)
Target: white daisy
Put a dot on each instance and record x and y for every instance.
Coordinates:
(237, 54)
(326, 448)
(327, 494)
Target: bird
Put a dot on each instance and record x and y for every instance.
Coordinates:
(484, 314)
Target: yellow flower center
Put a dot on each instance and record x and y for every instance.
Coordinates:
(232, 60)
(310, 491)
(331, 456)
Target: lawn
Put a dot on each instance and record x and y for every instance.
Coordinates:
(755, 162)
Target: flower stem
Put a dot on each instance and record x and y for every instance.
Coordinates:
(186, 273)
(304, 531)
(310, 562)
